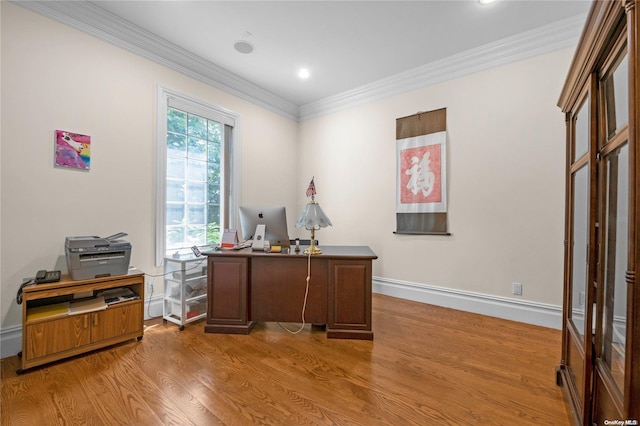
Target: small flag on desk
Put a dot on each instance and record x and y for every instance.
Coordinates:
(311, 190)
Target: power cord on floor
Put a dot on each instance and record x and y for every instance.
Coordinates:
(304, 304)
(150, 296)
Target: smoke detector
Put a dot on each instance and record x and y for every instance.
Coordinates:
(243, 46)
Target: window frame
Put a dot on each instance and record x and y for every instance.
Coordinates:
(230, 185)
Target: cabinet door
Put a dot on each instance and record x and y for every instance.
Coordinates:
(611, 325)
(349, 304)
(581, 260)
(116, 321)
(228, 281)
(54, 336)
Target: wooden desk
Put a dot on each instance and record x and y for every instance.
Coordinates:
(247, 286)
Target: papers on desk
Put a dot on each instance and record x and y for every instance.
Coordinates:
(240, 246)
(99, 303)
(67, 308)
(117, 295)
(48, 311)
(87, 305)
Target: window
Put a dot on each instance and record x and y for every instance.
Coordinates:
(195, 165)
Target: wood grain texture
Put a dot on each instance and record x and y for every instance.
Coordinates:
(428, 365)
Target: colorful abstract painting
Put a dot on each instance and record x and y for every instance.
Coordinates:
(73, 150)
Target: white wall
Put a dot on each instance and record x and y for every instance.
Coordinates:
(506, 181)
(506, 160)
(54, 77)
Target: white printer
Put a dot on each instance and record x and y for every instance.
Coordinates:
(95, 257)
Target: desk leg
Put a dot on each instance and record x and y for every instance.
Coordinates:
(349, 307)
(228, 296)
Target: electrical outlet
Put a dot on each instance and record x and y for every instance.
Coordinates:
(517, 289)
(150, 287)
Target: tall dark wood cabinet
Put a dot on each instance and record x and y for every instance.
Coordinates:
(600, 365)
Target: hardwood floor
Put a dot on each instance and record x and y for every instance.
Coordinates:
(427, 366)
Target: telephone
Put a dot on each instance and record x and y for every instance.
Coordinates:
(42, 276)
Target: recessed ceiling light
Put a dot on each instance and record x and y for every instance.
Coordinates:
(303, 73)
(486, 1)
(243, 46)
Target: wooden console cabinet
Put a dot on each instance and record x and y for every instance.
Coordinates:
(53, 337)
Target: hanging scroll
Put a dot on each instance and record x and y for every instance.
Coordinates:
(421, 181)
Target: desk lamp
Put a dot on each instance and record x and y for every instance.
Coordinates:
(313, 218)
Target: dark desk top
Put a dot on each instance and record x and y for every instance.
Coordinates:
(357, 252)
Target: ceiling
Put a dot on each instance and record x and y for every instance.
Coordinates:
(344, 44)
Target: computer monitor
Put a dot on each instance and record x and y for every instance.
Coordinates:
(273, 217)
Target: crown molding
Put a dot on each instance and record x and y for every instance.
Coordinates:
(92, 19)
(89, 18)
(545, 39)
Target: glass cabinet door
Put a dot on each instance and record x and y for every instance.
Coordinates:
(614, 298)
(580, 223)
(612, 327)
(579, 303)
(577, 313)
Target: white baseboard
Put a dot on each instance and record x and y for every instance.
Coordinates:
(541, 314)
(10, 341)
(11, 337)
(153, 307)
